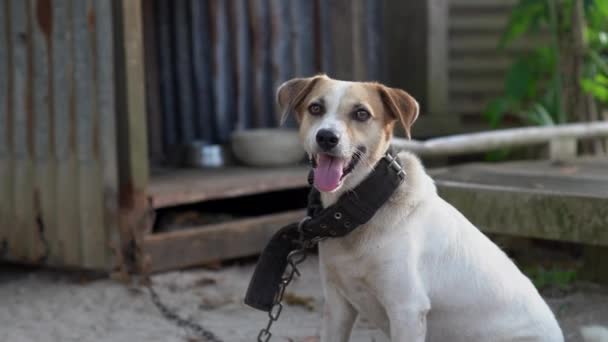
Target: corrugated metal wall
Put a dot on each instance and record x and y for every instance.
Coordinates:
(213, 66)
(58, 176)
(477, 67)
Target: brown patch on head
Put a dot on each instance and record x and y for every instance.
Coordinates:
(400, 105)
(291, 95)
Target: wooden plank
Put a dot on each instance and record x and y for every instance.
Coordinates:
(483, 43)
(476, 64)
(153, 93)
(177, 187)
(167, 74)
(464, 85)
(482, 3)
(23, 187)
(244, 70)
(437, 73)
(202, 59)
(579, 219)
(581, 168)
(203, 244)
(496, 139)
(263, 92)
(468, 105)
(183, 69)
(6, 125)
(131, 122)
(133, 154)
(525, 182)
(107, 126)
(483, 23)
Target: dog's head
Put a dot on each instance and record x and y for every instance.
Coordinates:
(345, 127)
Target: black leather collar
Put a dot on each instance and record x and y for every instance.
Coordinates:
(353, 209)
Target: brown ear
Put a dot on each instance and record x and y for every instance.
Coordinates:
(291, 94)
(400, 106)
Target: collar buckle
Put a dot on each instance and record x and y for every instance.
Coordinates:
(393, 163)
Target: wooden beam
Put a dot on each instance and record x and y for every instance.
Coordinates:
(533, 214)
(538, 199)
(178, 187)
(488, 141)
(203, 244)
(132, 131)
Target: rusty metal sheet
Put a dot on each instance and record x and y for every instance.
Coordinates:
(242, 50)
(202, 59)
(6, 124)
(57, 154)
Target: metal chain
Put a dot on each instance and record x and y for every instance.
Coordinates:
(170, 315)
(294, 258)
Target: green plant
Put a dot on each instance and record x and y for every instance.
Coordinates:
(542, 278)
(595, 79)
(533, 83)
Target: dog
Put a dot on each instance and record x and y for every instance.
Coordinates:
(418, 270)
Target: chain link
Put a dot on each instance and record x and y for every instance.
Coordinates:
(170, 315)
(294, 258)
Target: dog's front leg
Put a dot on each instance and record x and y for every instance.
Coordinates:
(408, 324)
(407, 306)
(338, 317)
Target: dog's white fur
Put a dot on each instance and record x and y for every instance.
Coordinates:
(419, 270)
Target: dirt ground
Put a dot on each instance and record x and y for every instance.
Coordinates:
(43, 305)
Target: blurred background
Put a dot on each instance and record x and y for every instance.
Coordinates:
(135, 135)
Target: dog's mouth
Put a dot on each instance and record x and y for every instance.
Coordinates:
(330, 170)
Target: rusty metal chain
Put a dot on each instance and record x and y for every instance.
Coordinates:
(181, 322)
(293, 260)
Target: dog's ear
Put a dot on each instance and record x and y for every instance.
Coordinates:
(400, 106)
(291, 94)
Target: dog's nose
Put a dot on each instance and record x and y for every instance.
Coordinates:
(327, 139)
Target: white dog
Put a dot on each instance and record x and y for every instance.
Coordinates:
(419, 270)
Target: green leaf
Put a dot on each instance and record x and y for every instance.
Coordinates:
(539, 115)
(599, 61)
(525, 17)
(496, 110)
(597, 87)
(519, 80)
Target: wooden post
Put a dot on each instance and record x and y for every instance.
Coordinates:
(562, 149)
(437, 54)
(131, 122)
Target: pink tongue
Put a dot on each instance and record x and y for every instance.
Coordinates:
(328, 173)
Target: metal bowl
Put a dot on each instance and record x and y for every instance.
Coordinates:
(204, 155)
(267, 147)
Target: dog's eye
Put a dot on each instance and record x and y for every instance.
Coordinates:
(361, 115)
(315, 109)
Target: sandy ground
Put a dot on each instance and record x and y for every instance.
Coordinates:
(43, 305)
